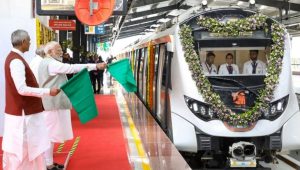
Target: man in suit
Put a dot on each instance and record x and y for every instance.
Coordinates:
(254, 65)
(228, 68)
(25, 135)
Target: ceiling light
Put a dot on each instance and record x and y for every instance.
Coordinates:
(252, 2)
(204, 4)
(163, 20)
(154, 25)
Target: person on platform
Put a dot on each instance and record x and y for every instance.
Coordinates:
(25, 137)
(254, 65)
(66, 58)
(229, 68)
(35, 62)
(110, 60)
(96, 75)
(52, 73)
(208, 66)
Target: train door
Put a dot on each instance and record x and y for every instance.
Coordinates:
(145, 71)
(140, 73)
(155, 78)
(162, 86)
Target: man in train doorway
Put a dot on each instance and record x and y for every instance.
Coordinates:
(254, 65)
(52, 72)
(25, 135)
(208, 66)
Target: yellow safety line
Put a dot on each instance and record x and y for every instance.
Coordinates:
(137, 140)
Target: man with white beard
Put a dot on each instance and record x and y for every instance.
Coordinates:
(52, 73)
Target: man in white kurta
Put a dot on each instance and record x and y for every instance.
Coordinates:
(35, 62)
(228, 68)
(25, 136)
(52, 72)
(254, 65)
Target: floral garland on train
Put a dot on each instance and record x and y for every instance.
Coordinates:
(233, 29)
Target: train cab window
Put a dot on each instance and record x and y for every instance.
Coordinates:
(234, 61)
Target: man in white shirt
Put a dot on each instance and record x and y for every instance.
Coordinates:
(35, 62)
(25, 135)
(254, 65)
(208, 67)
(228, 68)
(52, 72)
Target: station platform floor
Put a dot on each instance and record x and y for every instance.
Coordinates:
(121, 138)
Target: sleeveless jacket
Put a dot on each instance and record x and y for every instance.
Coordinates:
(16, 103)
(60, 101)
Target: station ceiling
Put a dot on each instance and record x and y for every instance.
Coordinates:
(145, 16)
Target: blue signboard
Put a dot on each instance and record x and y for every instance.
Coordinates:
(99, 29)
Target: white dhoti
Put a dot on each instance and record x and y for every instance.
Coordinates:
(25, 140)
(12, 162)
(59, 125)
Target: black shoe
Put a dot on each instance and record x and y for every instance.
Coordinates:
(60, 166)
(54, 168)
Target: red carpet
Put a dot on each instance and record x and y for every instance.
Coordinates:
(102, 145)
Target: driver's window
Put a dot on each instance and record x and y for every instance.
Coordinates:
(235, 61)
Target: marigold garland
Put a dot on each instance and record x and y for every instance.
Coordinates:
(233, 29)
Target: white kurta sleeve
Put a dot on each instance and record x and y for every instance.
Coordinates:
(56, 67)
(17, 70)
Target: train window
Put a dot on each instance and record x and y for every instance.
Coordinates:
(234, 61)
(166, 73)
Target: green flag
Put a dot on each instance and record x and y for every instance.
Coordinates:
(121, 71)
(79, 91)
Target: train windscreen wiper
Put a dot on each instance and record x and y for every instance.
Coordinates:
(234, 81)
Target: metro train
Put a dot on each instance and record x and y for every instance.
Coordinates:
(198, 110)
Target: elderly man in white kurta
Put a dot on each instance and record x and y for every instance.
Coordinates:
(229, 68)
(254, 65)
(35, 62)
(52, 72)
(25, 136)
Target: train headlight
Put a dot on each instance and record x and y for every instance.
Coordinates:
(200, 109)
(276, 108)
(273, 110)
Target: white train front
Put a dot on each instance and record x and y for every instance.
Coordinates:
(174, 90)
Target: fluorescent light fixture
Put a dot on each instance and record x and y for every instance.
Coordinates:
(163, 20)
(149, 30)
(154, 25)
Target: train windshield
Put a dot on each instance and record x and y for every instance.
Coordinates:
(232, 70)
